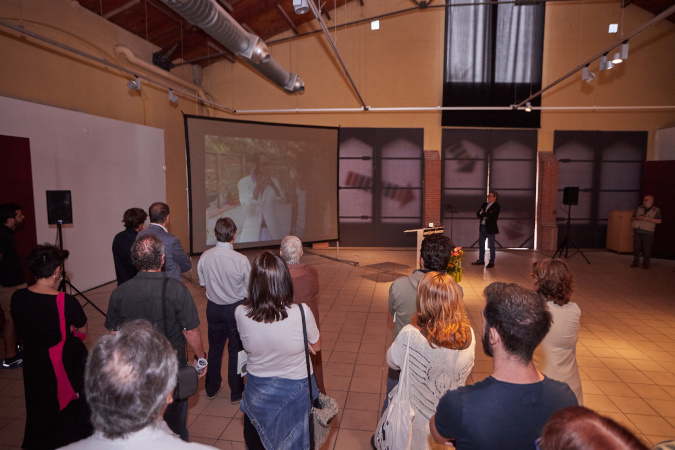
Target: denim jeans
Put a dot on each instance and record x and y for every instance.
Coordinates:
(279, 410)
(482, 236)
(223, 328)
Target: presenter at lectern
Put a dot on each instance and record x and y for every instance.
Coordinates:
(488, 214)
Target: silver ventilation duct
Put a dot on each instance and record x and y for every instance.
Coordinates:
(214, 20)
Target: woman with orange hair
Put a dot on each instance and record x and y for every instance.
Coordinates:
(442, 350)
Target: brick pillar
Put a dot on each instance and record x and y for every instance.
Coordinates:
(432, 188)
(547, 203)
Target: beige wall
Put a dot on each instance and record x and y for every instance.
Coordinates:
(401, 65)
(39, 72)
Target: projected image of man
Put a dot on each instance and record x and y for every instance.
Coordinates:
(260, 196)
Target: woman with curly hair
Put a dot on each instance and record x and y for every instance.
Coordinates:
(556, 356)
(442, 350)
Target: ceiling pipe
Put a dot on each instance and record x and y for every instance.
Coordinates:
(218, 24)
(452, 108)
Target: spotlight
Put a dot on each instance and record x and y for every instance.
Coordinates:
(624, 50)
(604, 64)
(172, 97)
(587, 75)
(375, 25)
(295, 84)
(134, 85)
(617, 58)
(301, 6)
(528, 107)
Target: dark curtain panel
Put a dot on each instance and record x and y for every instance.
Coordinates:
(493, 57)
(475, 161)
(380, 179)
(607, 168)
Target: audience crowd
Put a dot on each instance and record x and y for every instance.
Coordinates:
(532, 398)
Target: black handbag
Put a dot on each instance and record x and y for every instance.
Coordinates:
(187, 382)
(74, 358)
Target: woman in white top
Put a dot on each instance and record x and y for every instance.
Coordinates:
(442, 350)
(276, 401)
(556, 356)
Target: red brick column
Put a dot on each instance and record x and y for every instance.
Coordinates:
(432, 188)
(547, 202)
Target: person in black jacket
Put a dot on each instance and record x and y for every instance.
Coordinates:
(488, 214)
(134, 220)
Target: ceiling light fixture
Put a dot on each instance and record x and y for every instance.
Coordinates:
(375, 25)
(604, 63)
(587, 75)
(300, 6)
(172, 97)
(135, 85)
(528, 107)
(624, 50)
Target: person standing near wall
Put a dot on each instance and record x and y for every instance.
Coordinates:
(644, 221)
(11, 278)
(488, 214)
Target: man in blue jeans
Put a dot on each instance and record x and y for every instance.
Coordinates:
(488, 214)
(225, 273)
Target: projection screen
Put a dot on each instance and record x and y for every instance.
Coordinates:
(271, 179)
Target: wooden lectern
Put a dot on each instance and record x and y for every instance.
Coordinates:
(421, 232)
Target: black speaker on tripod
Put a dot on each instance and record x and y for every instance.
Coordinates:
(571, 196)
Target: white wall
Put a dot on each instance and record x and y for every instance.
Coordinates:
(108, 165)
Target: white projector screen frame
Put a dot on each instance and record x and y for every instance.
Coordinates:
(229, 159)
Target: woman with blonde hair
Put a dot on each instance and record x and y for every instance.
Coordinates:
(442, 350)
(556, 356)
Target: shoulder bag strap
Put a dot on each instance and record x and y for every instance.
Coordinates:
(403, 379)
(166, 327)
(309, 376)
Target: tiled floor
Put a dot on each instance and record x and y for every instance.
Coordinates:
(626, 350)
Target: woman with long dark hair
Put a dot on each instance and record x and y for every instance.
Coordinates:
(49, 424)
(276, 402)
(556, 356)
(442, 350)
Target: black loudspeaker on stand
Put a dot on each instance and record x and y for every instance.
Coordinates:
(570, 197)
(59, 211)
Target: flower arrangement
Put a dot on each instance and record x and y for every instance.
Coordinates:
(455, 264)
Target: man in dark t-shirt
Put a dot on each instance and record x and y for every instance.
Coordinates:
(142, 298)
(509, 408)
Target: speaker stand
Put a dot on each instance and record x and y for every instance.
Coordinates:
(64, 278)
(565, 244)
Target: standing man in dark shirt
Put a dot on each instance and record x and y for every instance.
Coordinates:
(134, 219)
(167, 304)
(11, 278)
(488, 214)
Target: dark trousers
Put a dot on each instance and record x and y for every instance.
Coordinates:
(642, 243)
(223, 328)
(175, 417)
(482, 235)
(251, 436)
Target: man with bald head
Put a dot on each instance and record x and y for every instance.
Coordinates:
(644, 220)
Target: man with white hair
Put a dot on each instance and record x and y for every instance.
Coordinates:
(129, 382)
(305, 290)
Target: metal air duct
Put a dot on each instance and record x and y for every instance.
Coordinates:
(215, 21)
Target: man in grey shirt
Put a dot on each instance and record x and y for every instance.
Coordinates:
(225, 273)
